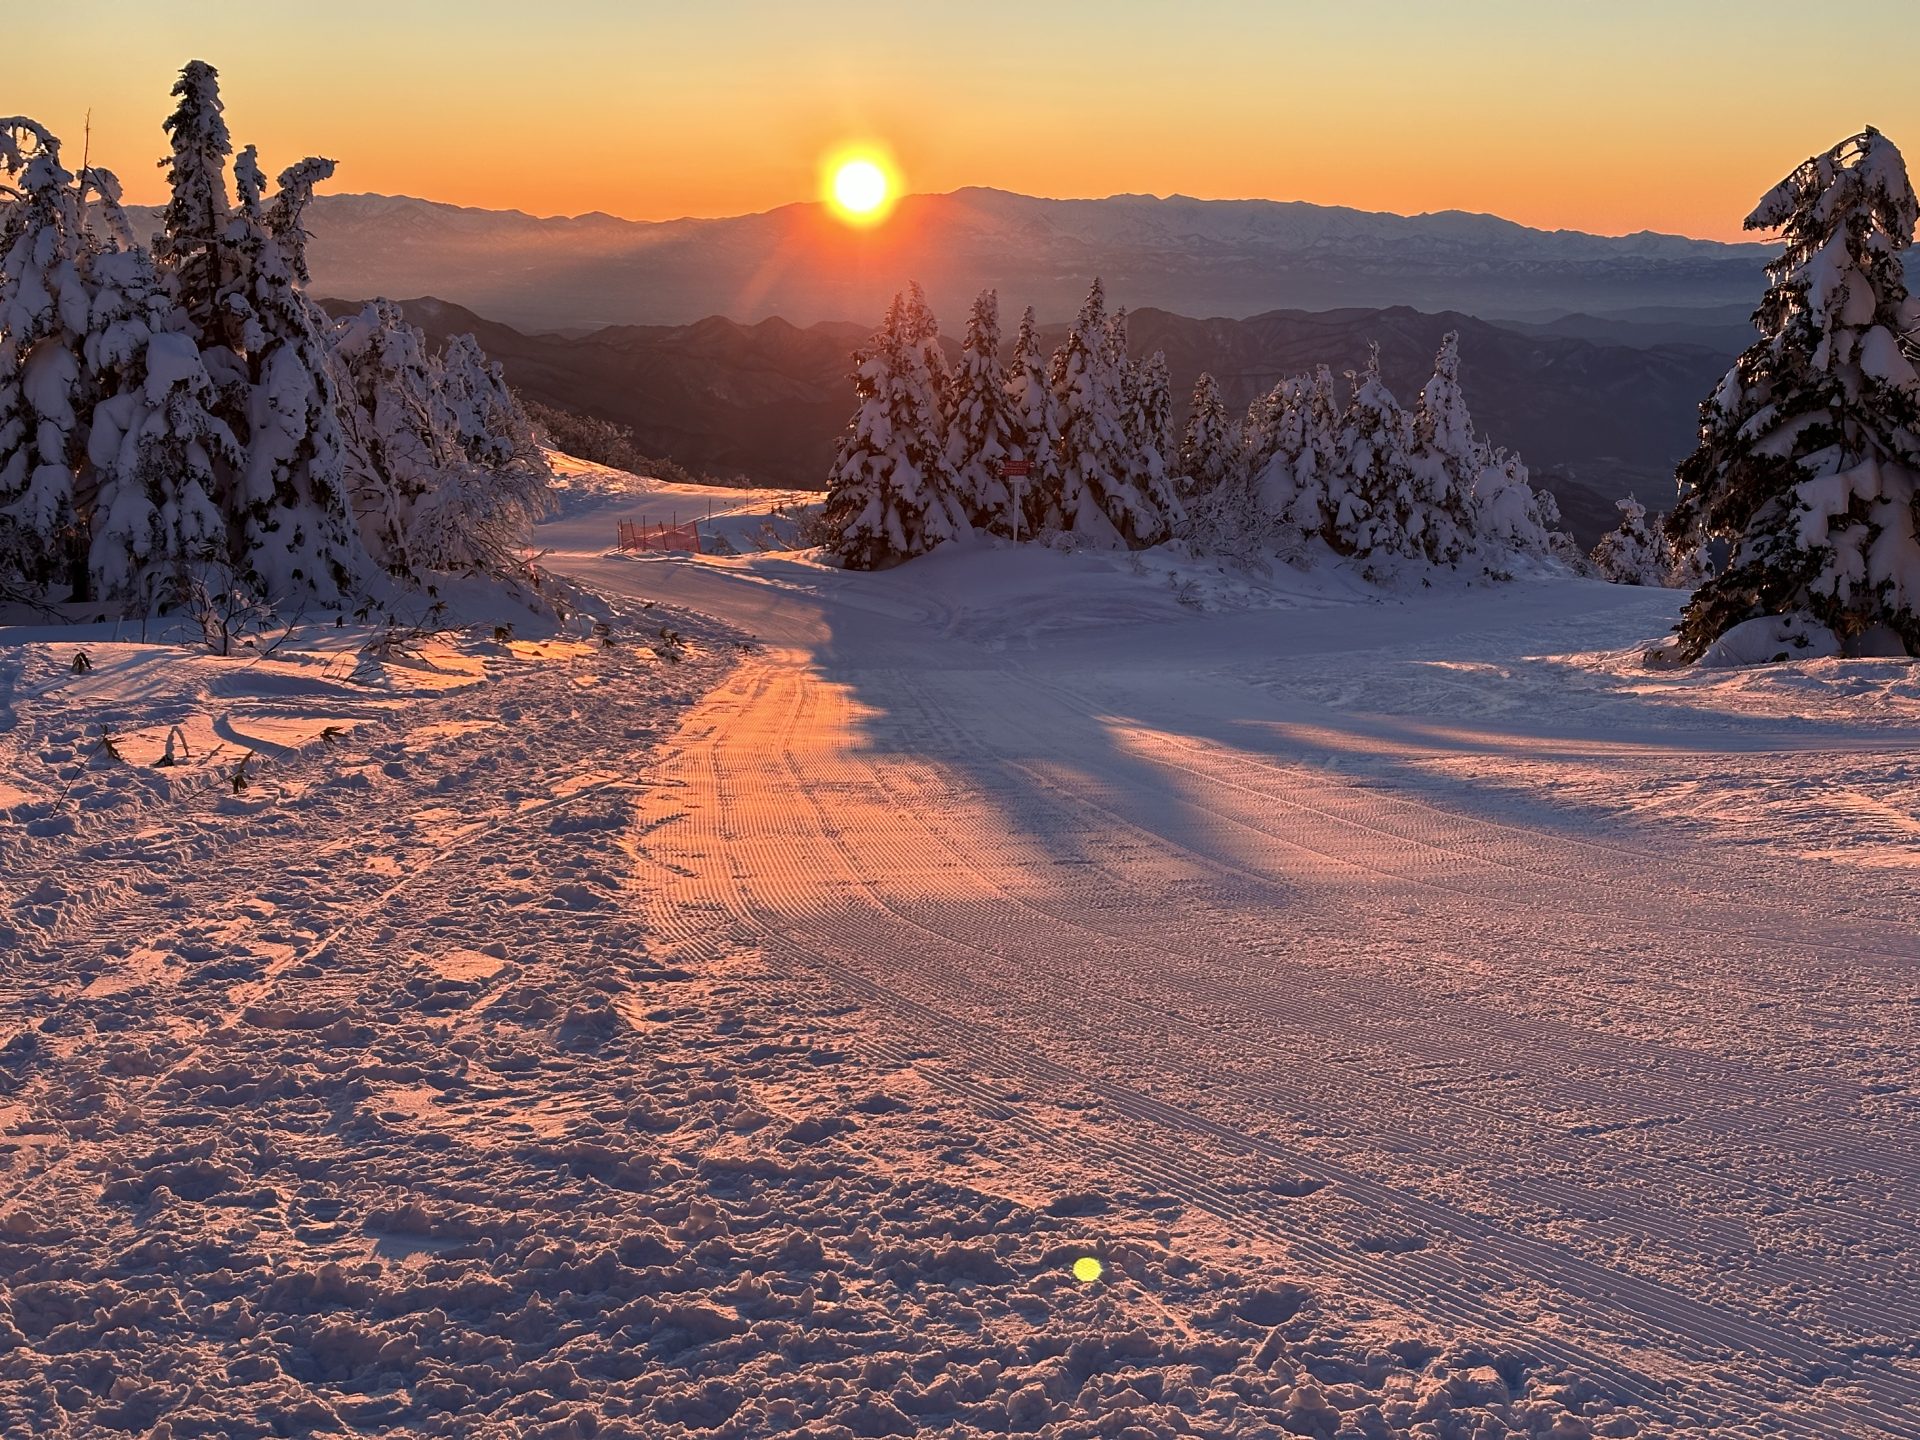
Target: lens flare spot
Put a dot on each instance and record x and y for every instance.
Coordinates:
(1087, 1269)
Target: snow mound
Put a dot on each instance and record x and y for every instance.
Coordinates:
(1767, 639)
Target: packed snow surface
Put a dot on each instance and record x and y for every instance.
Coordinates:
(1433, 1021)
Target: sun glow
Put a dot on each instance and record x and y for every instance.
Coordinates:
(860, 187)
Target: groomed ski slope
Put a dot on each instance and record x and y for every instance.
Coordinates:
(1434, 1022)
(1433, 962)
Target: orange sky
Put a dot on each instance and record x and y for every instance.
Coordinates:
(1625, 116)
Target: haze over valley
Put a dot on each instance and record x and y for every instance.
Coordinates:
(1191, 257)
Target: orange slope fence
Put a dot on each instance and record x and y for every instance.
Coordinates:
(640, 535)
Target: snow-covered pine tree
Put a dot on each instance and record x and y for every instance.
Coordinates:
(1152, 423)
(1809, 456)
(1510, 516)
(1259, 430)
(889, 496)
(1438, 515)
(1635, 553)
(1315, 462)
(1372, 485)
(293, 192)
(931, 383)
(978, 425)
(1101, 497)
(290, 522)
(1123, 376)
(155, 447)
(1146, 418)
(1207, 446)
(44, 394)
(192, 246)
(1033, 433)
(445, 473)
(393, 424)
(1274, 487)
(923, 331)
(1244, 514)
(1091, 439)
(478, 517)
(1692, 568)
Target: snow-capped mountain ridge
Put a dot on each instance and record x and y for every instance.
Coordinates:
(1207, 257)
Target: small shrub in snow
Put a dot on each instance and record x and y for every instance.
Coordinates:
(176, 749)
(1636, 553)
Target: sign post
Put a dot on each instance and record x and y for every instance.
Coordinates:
(1017, 470)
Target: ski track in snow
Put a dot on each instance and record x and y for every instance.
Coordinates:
(748, 1046)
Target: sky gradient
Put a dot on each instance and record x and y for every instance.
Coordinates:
(1612, 118)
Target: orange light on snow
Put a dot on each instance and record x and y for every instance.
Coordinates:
(860, 186)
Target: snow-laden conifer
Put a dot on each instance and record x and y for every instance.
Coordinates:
(393, 424)
(155, 446)
(1274, 488)
(922, 334)
(889, 493)
(1510, 516)
(1311, 452)
(978, 422)
(288, 512)
(1207, 445)
(478, 516)
(1103, 495)
(1259, 430)
(192, 246)
(1371, 483)
(1438, 512)
(1146, 405)
(1151, 426)
(443, 467)
(44, 393)
(1033, 433)
(1809, 456)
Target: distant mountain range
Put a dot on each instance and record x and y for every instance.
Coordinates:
(1236, 258)
(1594, 419)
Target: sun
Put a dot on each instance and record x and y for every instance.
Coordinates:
(860, 187)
